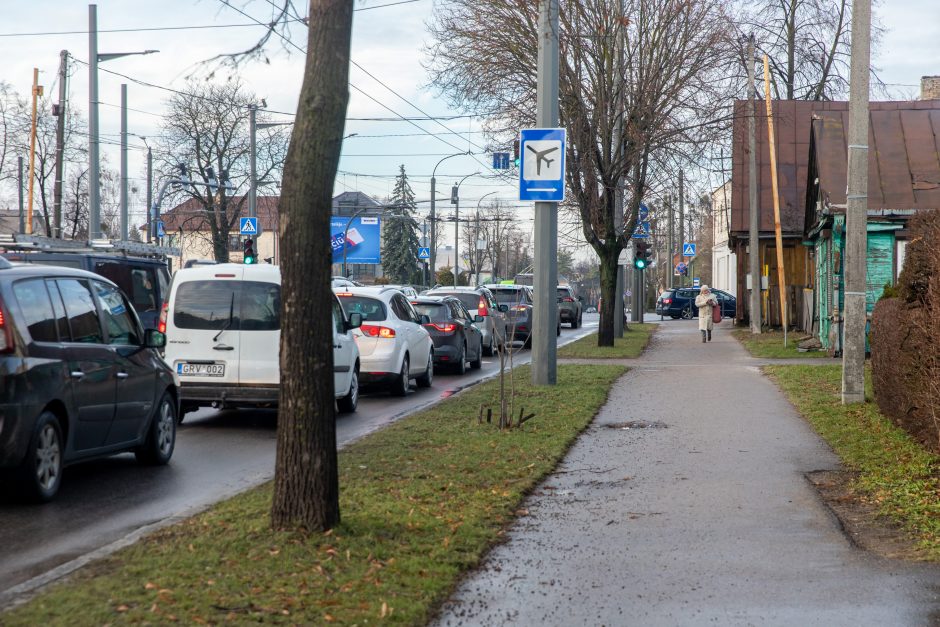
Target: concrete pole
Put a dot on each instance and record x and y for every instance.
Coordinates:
(94, 191)
(149, 193)
(433, 241)
(252, 166)
(753, 209)
(456, 237)
(681, 242)
(856, 214)
(123, 162)
(60, 145)
(670, 253)
(545, 311)
(19, 193)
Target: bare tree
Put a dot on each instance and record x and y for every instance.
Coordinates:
(207, 128)
(497, 222)
(638, 79)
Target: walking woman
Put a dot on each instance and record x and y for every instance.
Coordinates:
(705, 301)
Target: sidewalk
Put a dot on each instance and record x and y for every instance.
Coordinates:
(708, 520)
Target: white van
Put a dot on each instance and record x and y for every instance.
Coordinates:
(223, 333)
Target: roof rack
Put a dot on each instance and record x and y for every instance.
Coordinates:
(40, 243)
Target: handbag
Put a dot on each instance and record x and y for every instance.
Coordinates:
(716, 314)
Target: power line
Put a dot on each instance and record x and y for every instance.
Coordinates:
(132, 30)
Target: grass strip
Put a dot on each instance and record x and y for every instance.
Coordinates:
(769, 345)
(895, 472)
(627, 347)
(421, 500)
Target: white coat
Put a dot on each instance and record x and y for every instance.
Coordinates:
(705, 302)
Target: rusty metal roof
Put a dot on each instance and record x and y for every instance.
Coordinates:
(903, 156)
(906, 150)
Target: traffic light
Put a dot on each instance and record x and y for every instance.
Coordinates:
(249, 257)
(641, 255)
(515, 152)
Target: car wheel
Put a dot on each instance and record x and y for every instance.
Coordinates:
(403, 380)
(157, 449)
(461, 364)
(576, 322)
(477, 363)
(425, 380)
(41, 470)
(348, 403)
(687, 313)
(489, 350)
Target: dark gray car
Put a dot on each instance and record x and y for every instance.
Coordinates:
(518, 302)
(479, 301)
(456, 336)
(81, 378)
(569, 306)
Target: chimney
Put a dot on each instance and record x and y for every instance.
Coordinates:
(930, 87)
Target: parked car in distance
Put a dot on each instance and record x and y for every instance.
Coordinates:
(519, 304)
(341, 281)
(569, 306)
(453, 330)
(591, 309)
(394, 347)
(81, 379)
(143, 280)
(680, 303)
(223, 326)
(479, 301)
(407, 290)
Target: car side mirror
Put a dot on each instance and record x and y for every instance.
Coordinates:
(355, 321)
(425, 319)
(503, 308)
(154, 339)
(479, 318)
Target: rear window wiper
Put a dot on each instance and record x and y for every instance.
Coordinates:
(228, 323)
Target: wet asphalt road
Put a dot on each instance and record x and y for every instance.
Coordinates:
(708, 521)
(217, 454)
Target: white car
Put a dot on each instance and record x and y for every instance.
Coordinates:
(223, 330)
(394, 347)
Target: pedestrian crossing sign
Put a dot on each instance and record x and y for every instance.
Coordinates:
(424, 253)
(248, 226)
(688, 249)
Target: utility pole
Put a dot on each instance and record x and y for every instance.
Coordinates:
(856, 213)
(433, 218)
(59, 112)
(123, 162)
(670, 256)
(545, 312)
(19, 193)
(681, 242)
(778, 236)
(149, 189)
(37, 91)
(753, 255)
(252, 168)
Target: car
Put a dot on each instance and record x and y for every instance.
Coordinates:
(223, 326)
(407, 290)
(591, 309)
(518, 303)
(680, 303)
(569, 306)
(479, 301)
(341, 281)
(144, 280)
(81, 378)
(394, 347)
(454, 331)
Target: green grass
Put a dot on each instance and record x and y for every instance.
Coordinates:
(769, 344)
(630, 345)
(421, 500)
(895, 472)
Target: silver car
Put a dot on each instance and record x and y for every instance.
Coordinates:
(479, 301)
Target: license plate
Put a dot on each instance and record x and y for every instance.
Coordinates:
(200, 370)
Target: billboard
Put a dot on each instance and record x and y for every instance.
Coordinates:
(362, 239)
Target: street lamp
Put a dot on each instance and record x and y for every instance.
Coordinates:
(94, 195)
(433, 250)
(149, 186)
(253, 126)
(455, 200)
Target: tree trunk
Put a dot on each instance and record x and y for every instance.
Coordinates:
(605, 331)
(306, 480)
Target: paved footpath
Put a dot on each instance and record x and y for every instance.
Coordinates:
(707, 521)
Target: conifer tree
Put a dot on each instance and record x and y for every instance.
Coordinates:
(400, 233)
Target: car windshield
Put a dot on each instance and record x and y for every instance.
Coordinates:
(510, 297)
(437, 313)
(370, 308)
(470, 300)
(563, 292)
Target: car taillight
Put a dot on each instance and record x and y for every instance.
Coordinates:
(445, 328)
(519, 308)
(481, 308)
(6, 333)
(161, 325)
(667, 301)
(374, 330)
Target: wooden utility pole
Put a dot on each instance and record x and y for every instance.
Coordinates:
(778, 236)
(856, 213)
(60, 145)
(753, 209)
(37, 91)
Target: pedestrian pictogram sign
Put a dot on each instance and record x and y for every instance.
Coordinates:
(688, 249)
(248, 226)
(642, 231)
(424, 253)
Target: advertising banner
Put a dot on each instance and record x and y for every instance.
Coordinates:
(361, 240)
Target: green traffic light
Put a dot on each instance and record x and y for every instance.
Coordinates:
(639, 264)
(249, 260)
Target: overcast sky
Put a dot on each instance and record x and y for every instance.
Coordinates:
(387, 42)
